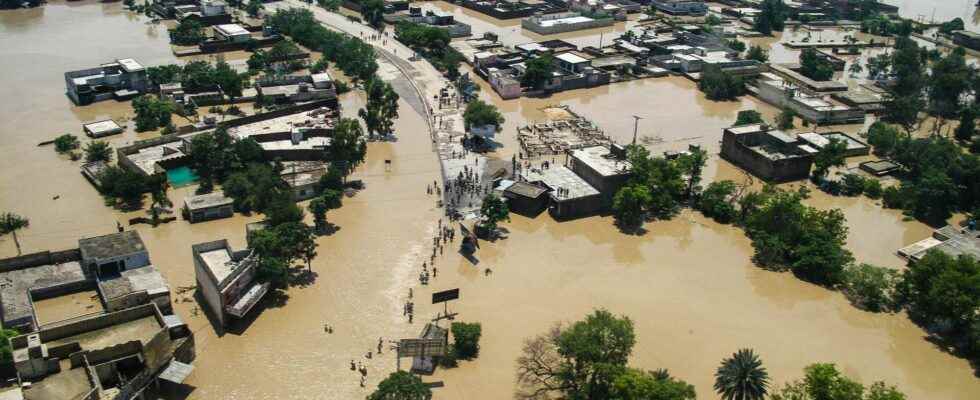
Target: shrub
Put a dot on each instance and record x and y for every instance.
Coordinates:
(872, 188)
(466, 339)
(853, 184)
(870, 287)
(65, 143)
(892, 198)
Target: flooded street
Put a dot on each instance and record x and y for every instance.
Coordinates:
(688, 284)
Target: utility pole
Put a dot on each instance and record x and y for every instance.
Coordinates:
(636, 124)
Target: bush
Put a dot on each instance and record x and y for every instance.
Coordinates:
(715, 201)
(870, 287)
(892, 198)
(853, 184)
(748, 117)
(450, 359)
(872, 188)
(466, 339)
(65, 143)
(720, 85)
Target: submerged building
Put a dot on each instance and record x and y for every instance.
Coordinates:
(121, 79)
(119, 355)
(770, 154)
(226, 280)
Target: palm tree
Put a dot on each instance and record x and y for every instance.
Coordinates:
(742, 377)
(11, 223)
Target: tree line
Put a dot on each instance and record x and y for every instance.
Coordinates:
(431, 43)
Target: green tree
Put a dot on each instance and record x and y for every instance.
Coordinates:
(941, 289)
(771, 17)
(538, 72)
(883, 137)
(830, 155)
(585, 358)
(373, 12)
(742, 377)
(328, 200)
(949, 80)
(493, 210)
(815, 67)
(748, 117)
(757, 53)
(228, 80)
(254, 7)
(152, 112)
(720, 85)
(716, 201)
(347, 148)
(785, 119)
(381, 108)
(466, 339)
(479, 113)
(6, 353)
(123, 185)
(870, 287)
(401, 385)
(934, 197)
(628, 205)
(202, 148)
(10, 223)
(823, 381)
(634, 384)
(967, 127)
(692, 165)
(98, 150)
(66, 143)
(956, 24)
(162, 74)
(188, 32)
(880, 391)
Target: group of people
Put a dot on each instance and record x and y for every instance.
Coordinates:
(360, 367)
(467, 184)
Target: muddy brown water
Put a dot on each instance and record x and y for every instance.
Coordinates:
(687, 283)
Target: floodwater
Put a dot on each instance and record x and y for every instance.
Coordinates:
(688, 283)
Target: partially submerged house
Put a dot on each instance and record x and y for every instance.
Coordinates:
(208, 206)
(952, 240)
(767, 153)
(680, 7)
(115, 269)
(117, 355)
(603, 167)
(226, 280)
(818, 108)
(121, 79)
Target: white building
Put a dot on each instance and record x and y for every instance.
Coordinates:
(232, 33)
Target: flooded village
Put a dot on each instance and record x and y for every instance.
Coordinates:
(332, 199)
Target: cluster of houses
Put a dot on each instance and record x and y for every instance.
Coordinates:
(118, 346)
(432, 18)
(583, 185)
(777, 156)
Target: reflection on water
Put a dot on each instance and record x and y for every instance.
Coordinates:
(688, 283)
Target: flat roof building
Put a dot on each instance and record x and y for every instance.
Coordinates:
(109, 255)
(109, 356)
(102, 128)
(605, 170)
(232, 33)
(227, 280)
(204, 207)
(119, 80)
(949, 239)
(772, 155)
(570, 196)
